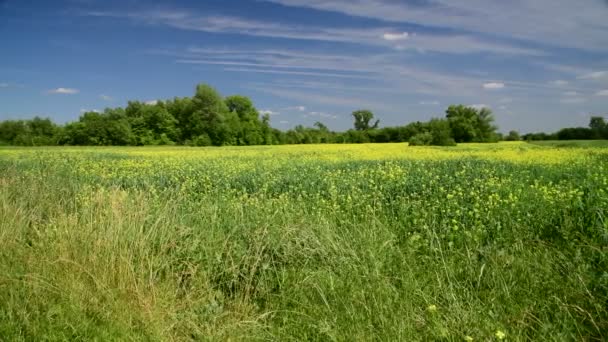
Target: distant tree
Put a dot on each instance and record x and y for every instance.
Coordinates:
(363, 119)
(513, 136)
(471, 125)
(436, 132)
(111, 127)
(151, 124)
(486, 130)
(212, 117)
(599, 127)
(250, 130)
(575, 133)
(34, 132)
(441, 132)
(181, 109)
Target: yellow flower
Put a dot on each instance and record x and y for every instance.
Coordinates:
(432, 308)
(468, 338)
(500, 335)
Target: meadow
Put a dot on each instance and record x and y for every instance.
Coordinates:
(385, 242)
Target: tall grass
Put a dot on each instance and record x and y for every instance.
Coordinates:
(115, 245)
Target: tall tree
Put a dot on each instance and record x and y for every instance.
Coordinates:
(471, 125)
(599, 127)
(210, 116)
(363, 119)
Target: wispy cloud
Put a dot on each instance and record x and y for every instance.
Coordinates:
(331, 100)
(378, 36)
(429, 103)
(396, 36)
(151, 102)
(539, 21)
(602, 93)
(559, 83)
(298, 108)
(493, 85)
(299, 73)
(479, 106)
(322, 115)
(269, 112)
(106, 97)
(84, 110)
(65, 91)
(594, 75)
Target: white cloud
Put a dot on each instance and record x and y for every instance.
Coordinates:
(269, 112)
(322, 115)
(351, 102)
(447, 43)
(106, 97)
(396, 36)
(301, 73)
(298, 108)
(493, 85)
(83, 110)
(479, 106)
(594, 75)
(67, 91)
(559, 83)
(602, 93)
(539, 20)
(429, 103)
(283, 122)
(151, 102)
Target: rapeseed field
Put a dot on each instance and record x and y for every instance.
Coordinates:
(478, 242)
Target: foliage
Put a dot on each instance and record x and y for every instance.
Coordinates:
(421, 139)
(513, 136)
(363, 119)
(208, 119)
(470, 124)
(35, 132)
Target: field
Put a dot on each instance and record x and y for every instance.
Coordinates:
(383, 242)
(572, 143)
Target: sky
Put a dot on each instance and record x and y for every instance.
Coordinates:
(538, 65)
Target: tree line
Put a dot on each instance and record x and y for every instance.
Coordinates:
(597, 129)
(208, 119)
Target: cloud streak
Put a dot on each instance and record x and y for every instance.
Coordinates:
(377, 36)
(63, 91)
(541, 21)
(493, 85)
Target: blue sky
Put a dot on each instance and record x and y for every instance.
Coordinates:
(539, 65)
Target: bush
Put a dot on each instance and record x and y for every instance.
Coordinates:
(421, 139)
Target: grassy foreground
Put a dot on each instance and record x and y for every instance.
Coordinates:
(336, 242)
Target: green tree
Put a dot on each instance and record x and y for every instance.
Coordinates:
(513, 136)
(599, 127)
(471, 125)
(152, 124)
(250, 130)
(111, 127)
(363, 119)
(211, 116)
(441, 132)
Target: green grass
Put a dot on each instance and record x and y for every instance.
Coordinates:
(572, 143)
(108, 244)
